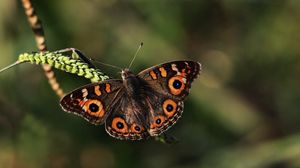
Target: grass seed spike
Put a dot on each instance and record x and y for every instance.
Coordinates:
(58, 60)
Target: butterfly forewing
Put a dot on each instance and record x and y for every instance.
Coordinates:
(172, 78)
(92, 101)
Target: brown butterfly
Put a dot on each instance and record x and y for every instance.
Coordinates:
(137, 106)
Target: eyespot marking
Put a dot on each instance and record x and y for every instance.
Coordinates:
(136, 128)
(157, 121)
(169, 107)
(93, 107)
(176, 84)
(119, 125)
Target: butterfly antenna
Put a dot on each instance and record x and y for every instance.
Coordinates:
(109, 65)
(137, 51)
(10, 66)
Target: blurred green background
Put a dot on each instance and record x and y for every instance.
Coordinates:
(243, 111)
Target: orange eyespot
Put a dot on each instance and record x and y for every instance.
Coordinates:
(94, 107)
(157, 122)
(136, 128)
(119, 125)
(176, 84)
(169, 107)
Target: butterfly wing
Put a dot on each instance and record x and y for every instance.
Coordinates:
(170, 83)
(93, 101)
(127, 120)
(173, 78)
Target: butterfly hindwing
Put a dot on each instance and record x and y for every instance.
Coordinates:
(162, 112)
(92, 101)
(127, 119)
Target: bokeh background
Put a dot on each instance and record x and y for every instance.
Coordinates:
(243, 111)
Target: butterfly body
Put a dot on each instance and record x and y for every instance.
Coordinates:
(132, 84)
(136, 106)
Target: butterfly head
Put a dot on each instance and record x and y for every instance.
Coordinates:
(126, 73)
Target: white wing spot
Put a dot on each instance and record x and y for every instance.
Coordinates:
(174, 68)
(84, 92)
(184, 80)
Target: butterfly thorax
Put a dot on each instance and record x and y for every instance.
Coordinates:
(132, 83)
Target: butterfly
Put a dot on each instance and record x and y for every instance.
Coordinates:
(137, 106)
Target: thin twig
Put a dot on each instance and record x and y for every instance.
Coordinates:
(37, 28)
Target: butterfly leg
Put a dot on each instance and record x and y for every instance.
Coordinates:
(77, 54)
